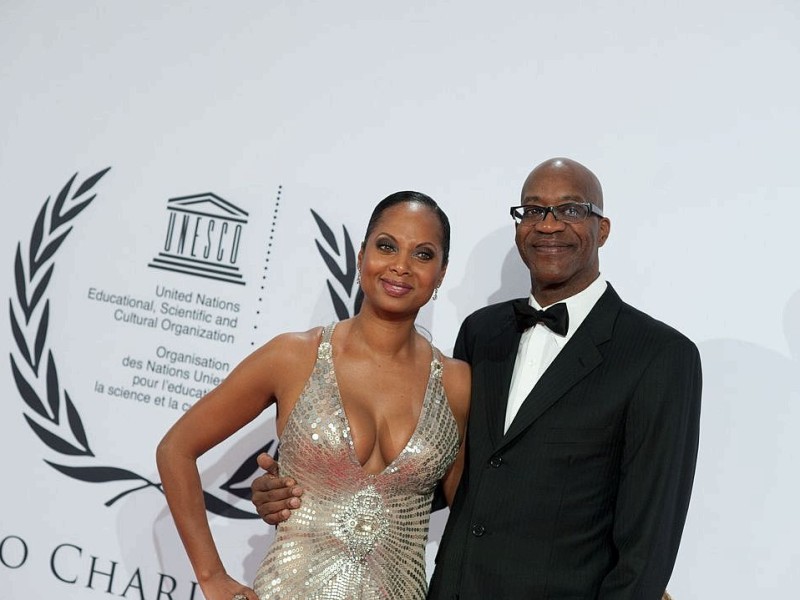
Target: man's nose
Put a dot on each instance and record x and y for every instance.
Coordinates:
(550, 223)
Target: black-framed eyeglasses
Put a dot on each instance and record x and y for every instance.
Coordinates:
(569, 212)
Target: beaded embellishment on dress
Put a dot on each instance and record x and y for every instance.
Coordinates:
(357, 534)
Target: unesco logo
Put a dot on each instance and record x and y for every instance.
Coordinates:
(200, 229)
(203, 237)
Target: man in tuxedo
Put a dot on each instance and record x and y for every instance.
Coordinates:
(583, 427)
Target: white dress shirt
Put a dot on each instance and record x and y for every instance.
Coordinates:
(539, 346)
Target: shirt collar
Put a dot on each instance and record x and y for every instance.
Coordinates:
(578, 306)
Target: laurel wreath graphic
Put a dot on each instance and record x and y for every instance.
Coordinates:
(345, 275)
(57, 422)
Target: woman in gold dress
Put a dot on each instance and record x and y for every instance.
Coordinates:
(370, 417)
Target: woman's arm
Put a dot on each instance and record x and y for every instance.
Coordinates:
(457, 379)
(251, 387)
(453, 477)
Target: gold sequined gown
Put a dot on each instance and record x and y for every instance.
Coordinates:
(356, 535)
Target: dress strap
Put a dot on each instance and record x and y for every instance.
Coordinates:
(324, 350)
(436, 362)
(327, 332)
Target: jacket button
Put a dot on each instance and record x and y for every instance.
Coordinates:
(478, 530)
(496, 461)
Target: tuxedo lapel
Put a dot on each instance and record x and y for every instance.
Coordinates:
(577, 359)
(501, 352)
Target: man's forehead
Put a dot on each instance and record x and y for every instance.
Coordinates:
(556, 185)
(555, 188)
(558, 199)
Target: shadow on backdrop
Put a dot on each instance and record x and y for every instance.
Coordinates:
(741, 536)
(505, 272)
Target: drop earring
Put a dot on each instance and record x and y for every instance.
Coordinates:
(435, 292)
(358, 277)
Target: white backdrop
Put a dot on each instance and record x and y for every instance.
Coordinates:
(687, 111)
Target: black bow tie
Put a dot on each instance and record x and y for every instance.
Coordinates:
(554, 318)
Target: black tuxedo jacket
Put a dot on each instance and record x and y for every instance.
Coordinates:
(586, 495)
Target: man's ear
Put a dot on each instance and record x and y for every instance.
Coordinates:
(605, 230)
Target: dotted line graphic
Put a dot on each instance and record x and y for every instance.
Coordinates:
(267, 258)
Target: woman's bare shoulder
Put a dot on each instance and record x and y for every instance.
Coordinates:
(292, 344)
(458, 368)
(284, 355)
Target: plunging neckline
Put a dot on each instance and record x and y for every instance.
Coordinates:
(346, 421)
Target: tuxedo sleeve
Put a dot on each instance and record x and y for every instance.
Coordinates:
(460, 349)
(657, 471)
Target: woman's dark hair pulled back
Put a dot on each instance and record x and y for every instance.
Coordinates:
(411, 196)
